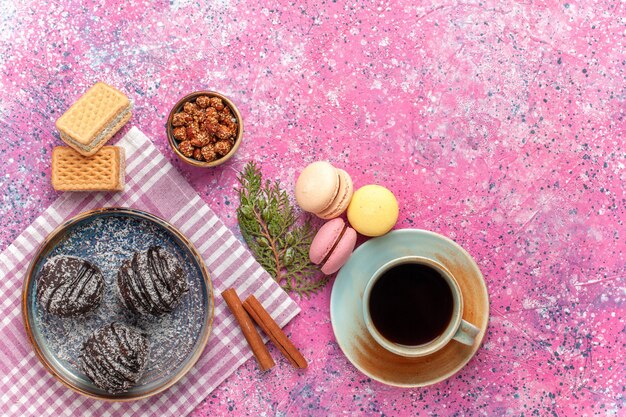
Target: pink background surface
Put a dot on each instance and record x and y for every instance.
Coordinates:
(498, 124)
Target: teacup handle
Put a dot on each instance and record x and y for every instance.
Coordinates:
(466, 334)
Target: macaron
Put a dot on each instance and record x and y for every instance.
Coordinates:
(373, 210)
(332, 245)
(324, 190)
(342, 200)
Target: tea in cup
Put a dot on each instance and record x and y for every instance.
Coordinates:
(413, 306)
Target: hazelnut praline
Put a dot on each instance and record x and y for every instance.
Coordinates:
(202, 122)
(229, 116)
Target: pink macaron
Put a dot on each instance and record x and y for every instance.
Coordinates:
(332, 245)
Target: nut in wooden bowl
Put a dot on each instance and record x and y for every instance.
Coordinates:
(204, 129)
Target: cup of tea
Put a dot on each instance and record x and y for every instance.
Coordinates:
(413, 306)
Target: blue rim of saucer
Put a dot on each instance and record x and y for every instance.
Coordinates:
(348, 323)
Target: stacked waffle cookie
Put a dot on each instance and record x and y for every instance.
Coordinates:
(86, 164)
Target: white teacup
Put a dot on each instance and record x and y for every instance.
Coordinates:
(457, 328)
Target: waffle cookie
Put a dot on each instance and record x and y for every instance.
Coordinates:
(92, 120)
(102, 172)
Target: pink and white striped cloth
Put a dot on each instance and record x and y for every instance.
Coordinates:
(153, 185)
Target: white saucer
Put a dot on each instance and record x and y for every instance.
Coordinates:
(347, 317)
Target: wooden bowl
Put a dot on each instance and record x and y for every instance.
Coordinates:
(192, 98)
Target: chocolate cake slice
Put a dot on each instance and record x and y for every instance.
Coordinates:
(69, 286)
(114, 357)
(152, 282)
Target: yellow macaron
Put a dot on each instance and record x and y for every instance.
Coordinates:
(373, 210)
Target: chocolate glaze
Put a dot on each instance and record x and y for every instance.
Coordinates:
(114, 357)
(68, 286)
(152, 282)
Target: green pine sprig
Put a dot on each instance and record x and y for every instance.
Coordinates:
(269, 225)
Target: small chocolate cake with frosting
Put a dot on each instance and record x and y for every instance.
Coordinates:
(115, 356)
(69, 286)
(152, 282)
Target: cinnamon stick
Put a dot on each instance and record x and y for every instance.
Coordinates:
(259, 349)
(271, 328)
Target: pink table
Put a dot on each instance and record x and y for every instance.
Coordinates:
(498, 124)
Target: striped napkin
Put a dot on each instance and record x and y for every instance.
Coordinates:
(154, 185)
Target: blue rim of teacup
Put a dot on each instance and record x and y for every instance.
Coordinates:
(438, 342)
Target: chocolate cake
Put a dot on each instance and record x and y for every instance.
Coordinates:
(68, 286)
(152, 282)
(114, 357)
